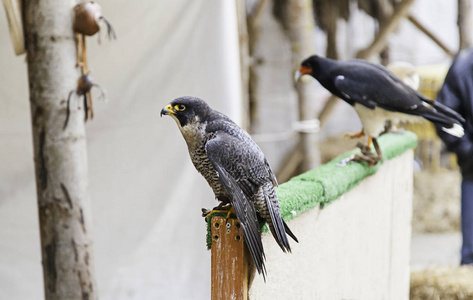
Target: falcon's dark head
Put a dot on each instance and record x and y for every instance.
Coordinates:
(187, 110)
(308, 66)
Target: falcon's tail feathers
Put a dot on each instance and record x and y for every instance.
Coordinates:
(276, 224)
(289, 232)
(246, 214)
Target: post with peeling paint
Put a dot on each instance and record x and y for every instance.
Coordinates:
(230, 260)
(60, 155)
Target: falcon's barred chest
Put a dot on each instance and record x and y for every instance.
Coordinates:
(196, 137)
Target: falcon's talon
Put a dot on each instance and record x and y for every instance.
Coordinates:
(206, 212)
(230, 212)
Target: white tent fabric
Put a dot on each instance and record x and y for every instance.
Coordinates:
(146, 195)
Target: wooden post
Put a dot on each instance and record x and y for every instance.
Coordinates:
(244, 63)
(230, 260)
(60, 155)
(465, 24)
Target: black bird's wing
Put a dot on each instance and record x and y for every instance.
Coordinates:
(438, 106)
(372, 86)
(232, 159)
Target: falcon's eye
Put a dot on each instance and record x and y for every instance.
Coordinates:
(180, 107)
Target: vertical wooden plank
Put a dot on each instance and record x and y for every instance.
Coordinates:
(230, 260)
(465, 24)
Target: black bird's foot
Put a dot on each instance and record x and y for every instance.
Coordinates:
(391, 128)
(365, 149)
(358, 158)
(372, 159)
(355, 135)
(365, 155)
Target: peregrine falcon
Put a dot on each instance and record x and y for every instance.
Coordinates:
(377, 95)
(235, 168)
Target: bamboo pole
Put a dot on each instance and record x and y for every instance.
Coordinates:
(60, 155)
(230, 260)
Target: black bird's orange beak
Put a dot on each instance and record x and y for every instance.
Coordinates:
(302, 71)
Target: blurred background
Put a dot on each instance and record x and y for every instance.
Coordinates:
(240, 56)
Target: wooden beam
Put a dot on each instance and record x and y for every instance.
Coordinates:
(230, 260)
(429, 34)
(381, 39)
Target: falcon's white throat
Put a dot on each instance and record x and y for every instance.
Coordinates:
(193, 132)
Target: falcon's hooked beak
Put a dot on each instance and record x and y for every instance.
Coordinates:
(167, 110)
(303, 70)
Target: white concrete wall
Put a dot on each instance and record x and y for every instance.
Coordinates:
(357, 247)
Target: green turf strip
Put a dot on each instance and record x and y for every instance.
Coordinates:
(328, 182)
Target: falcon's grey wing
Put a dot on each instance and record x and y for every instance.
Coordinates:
(224, 153)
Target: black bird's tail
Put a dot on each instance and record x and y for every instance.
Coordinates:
(444, 109)
(448, 124)
(436, 112)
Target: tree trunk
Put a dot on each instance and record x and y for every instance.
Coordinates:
(465, 23)
(60, 155)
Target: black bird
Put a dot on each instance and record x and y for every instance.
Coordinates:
(235, 168)
(377, 96)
